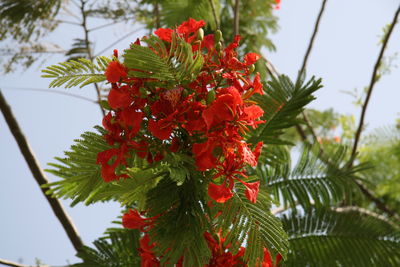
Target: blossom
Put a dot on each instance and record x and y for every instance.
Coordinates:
(115, 71)
(133, 220)
(164, 34)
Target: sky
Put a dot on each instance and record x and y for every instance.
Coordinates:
(344, 53)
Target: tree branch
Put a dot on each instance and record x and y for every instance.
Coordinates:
(38, 174)
(236, 19)
(52, 91)
(15, 264)
(371, 85)
(314, 34)
(156, 13)
(89, 50)
(214, 14)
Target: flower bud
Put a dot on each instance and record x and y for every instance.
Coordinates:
(218, 46)
(217, 36)
(252, 68)
(200, 34)
(210, 97)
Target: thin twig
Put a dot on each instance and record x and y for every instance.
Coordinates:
(15, 264)
(52, 91)
(38, 174)
(236, 17)
(214, 14)
(371, 85)
(314, 34)
(103, 26)
(117, 41)
(302, 69)
(156, 13)
(89, 50)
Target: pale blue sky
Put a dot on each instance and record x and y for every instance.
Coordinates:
(344, 53)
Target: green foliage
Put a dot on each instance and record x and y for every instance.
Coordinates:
(81, 179)
(77, 72)
(252, 224)
(181, 223)
(313, 181)
(282, 103)
(382, 149)
(176, 65)
(175, 11)
(341, 237)
(22, 19)
(118, 249)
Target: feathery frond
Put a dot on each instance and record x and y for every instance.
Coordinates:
(282, 103)
(118, 249)
(342, 237)
(312, 181)
(176, 65)
(81, 179)
(251, 224)
(77, 72)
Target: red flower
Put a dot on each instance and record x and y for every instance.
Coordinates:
(252, 190)
(133, 220)
(267, 261)
(119, 97)
(115, 71)
(131, 120)
(220, 193)
(251, 58)
(118, 155)
(164, 34)
(146, 253)
(188, 27)
(161, 129)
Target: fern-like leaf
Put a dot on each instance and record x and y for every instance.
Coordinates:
(81, 178)
(282, 103)
(77, 72)
(312, 181)
(341, 237)
(176, 65)
(118, 249)
(251, 224)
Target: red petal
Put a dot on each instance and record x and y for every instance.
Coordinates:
(267, 262)
(252, 191)
(159, 130)
(190, 26)
(257, 85)
(164, 34)
(132, 118)
(115, 71)
(119, 99)
(133, 220)
(219, 193)
(251, 58)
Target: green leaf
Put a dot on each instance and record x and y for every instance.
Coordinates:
(118, 249)
(253, 224)
(80, 175)
(77, 72)
(341, 237)
(312, 181)
(282, 103)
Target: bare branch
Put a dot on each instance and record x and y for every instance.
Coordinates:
(15, 264)
(52, 91)
(38, 174)
(236, 19)
(371, 85)
(214, 14)
(314, 34)
(117, 41)
(89, 50)
(156, 13)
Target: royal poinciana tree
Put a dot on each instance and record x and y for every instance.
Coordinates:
(195, 145)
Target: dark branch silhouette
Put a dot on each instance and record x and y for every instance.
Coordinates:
(38, 174)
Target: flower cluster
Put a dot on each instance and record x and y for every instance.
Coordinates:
(220, 254)
(205, 118)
